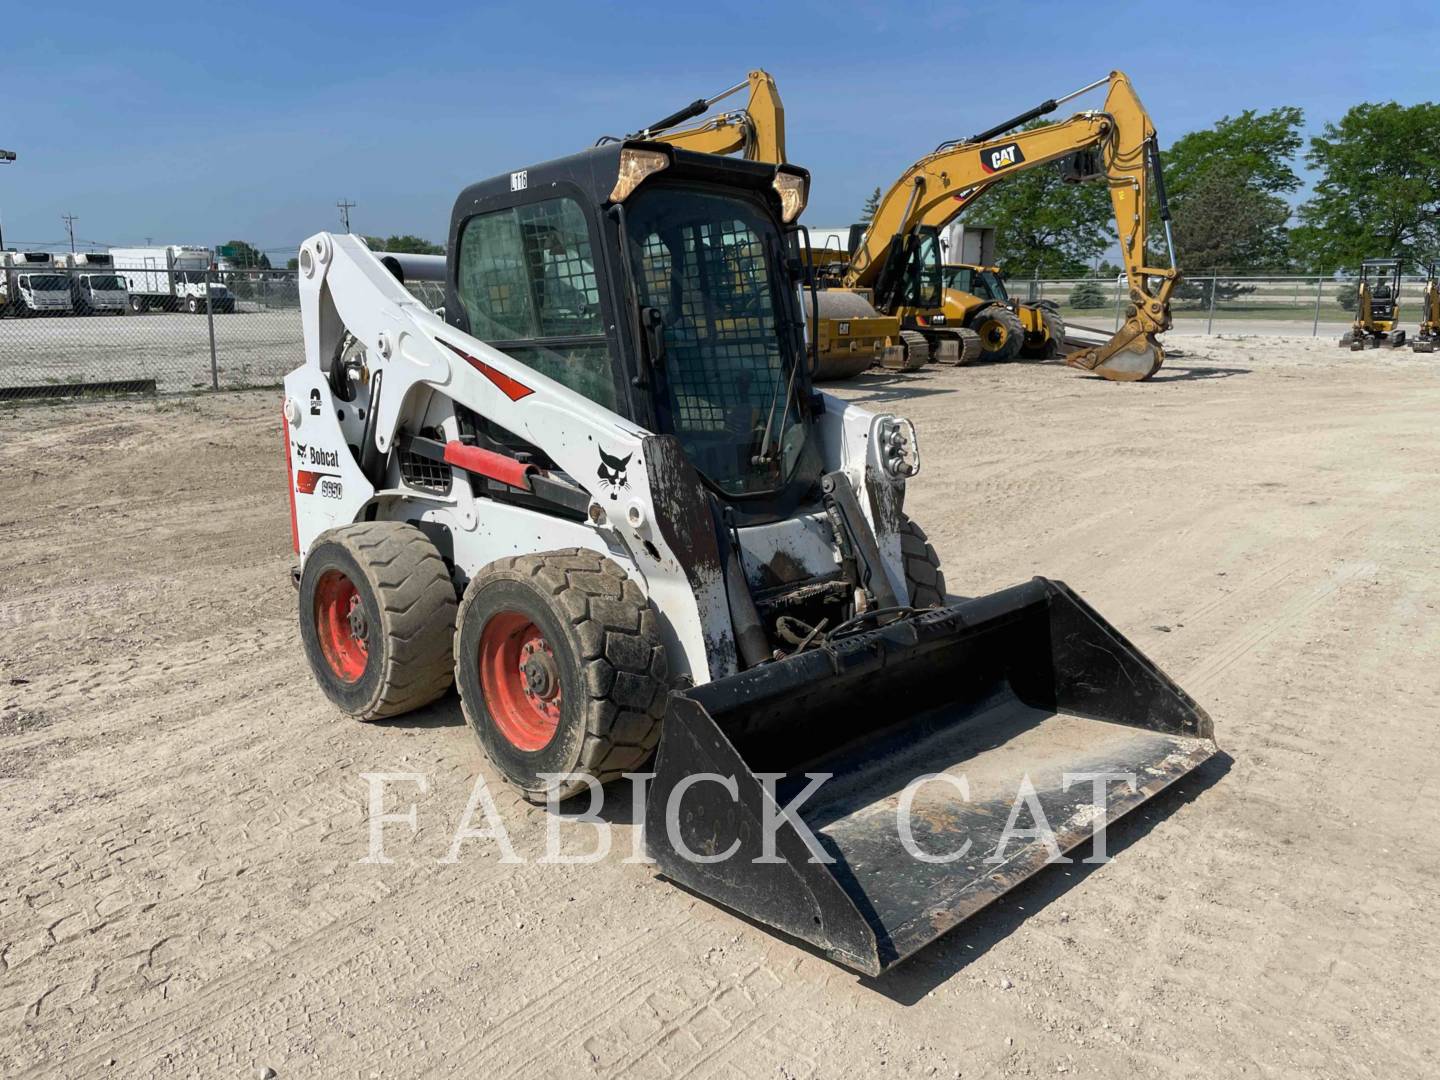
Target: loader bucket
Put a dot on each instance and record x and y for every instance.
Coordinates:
(1025, 683)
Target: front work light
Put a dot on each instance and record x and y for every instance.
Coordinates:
(791, 187)
(635, 166)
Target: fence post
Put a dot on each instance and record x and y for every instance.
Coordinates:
(1210, 319)
(1117, 303)
(210, 318)
(1315, 327)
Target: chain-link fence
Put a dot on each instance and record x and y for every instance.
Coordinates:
(92, 330)
(87, 330)
(1297, 305)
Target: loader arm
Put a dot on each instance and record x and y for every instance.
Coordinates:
(756, 132)
(939, 186)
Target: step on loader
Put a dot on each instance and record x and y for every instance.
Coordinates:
(602, 498)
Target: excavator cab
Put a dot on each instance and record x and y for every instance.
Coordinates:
(914, 275)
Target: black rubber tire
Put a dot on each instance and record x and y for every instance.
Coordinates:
(1001, 335)
(1054, 341)
(192, 305)
(612, 668)
(137, 305)
(409, 605)
(923, 575)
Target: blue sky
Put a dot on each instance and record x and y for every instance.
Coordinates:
(250, 120)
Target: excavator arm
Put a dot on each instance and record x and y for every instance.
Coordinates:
(757, 131)
(1116, 142)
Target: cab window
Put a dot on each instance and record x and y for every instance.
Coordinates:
(526, 279)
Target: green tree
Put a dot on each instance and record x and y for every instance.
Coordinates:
(1225, 223)
(1088, 294)
(405, 245)
(246, 256)
(1379, 187)
(1260, 148)
(1226, 184)
(872, 203)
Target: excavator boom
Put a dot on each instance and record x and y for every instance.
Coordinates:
(756, 132)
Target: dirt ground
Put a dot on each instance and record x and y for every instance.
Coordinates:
(183, 814)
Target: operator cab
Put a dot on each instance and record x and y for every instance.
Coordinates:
(913, 275)
(983, 282)
(663, 285)
(1382, 278)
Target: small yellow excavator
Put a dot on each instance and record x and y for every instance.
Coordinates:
(1429, 332)
(899, 255)
(1377, 307)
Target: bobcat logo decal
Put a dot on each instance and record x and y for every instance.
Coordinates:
(612, 473)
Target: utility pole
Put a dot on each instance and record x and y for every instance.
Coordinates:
(69, 220)
(345, 206)
(6, 157)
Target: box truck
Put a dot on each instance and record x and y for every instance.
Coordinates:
(33, 285)
(95, 287)
(171, 278)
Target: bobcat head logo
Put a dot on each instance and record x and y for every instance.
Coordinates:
(300, 450)
(612, 473)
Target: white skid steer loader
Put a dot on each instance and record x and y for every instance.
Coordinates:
(602, 497)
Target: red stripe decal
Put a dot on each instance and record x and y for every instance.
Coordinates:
(509, 387)
(290, 475)
(306, 481)
(488, 463)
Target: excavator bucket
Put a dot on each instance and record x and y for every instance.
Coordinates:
(944, 738)
(1139, 357)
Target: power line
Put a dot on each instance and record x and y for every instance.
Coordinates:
(345, 206)
(69, 220)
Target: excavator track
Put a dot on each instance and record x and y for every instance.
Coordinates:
(915, 351)
(970, 345)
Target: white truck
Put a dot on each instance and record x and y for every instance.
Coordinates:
(95, 287)
(33, 284)
(171, 278)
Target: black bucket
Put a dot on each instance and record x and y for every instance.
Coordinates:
(1027, 683)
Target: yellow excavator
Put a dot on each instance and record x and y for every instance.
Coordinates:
(892, 282)
(899, 255)
(1429, 333)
